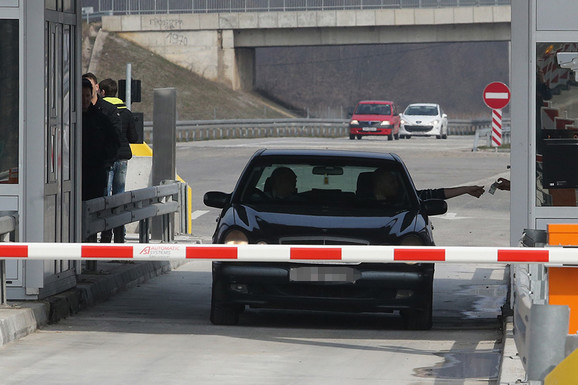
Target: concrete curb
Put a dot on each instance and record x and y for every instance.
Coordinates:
(19, 319)
(511, 368)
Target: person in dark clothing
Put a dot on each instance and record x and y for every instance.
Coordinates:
(117, 174)
(108, 109)
(100, 144)
(385, 187)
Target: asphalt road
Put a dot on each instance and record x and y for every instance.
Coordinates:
(159, 332)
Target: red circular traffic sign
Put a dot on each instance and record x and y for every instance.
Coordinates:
(496, 95)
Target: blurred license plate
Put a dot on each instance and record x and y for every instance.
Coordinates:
(369, 129)
(323, 274)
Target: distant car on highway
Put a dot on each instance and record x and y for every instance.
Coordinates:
(323, 197)
(424, 119)
(374, 117)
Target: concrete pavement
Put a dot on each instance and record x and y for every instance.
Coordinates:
(19, 319)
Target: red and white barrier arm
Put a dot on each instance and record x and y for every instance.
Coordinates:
(285, 253)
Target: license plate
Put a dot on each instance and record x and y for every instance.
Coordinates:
(369, 129)
(324, 274)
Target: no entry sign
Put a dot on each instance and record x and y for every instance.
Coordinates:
(496, 95)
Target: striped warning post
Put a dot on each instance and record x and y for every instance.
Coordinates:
(286, 253)
(496, 128)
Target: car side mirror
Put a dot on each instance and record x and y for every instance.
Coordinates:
(349, 112)
(435, 206)
(216, 199)
(444, 116)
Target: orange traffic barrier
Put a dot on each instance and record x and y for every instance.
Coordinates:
(562, 288)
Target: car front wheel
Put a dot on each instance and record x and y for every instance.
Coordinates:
(351, 136)
(221, 313)
(420, 319)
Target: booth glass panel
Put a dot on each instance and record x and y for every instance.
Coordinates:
(9, 102)
(556, 90)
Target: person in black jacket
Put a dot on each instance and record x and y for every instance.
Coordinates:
(100, 143)
(117, 174)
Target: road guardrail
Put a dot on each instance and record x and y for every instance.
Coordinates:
(141, 205)
(195, 130)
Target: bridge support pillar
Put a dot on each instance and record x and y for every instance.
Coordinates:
(244, 76)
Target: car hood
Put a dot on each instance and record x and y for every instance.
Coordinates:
(366, 118)
(419, 119)
(320, 228)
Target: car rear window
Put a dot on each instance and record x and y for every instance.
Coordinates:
(325, 185)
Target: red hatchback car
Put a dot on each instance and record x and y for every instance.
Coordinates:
(374, 117)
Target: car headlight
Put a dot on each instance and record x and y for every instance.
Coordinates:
(385, 123)
(236, 237)
(354, 122)
(435, 122)
(412, 240)
(402, 121)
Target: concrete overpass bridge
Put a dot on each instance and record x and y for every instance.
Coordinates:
(221, 46)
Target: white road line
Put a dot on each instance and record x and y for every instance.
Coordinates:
(450, 216)
(198, 213)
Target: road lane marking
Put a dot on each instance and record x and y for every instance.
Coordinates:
(198, 213)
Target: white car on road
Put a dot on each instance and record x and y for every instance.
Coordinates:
(424, 119)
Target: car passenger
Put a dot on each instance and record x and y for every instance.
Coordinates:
(283, 183)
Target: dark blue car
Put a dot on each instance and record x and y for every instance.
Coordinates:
(324, 197)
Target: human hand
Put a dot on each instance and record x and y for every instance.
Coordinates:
(503, 184)
(475, 191)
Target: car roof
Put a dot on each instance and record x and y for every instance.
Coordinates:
(423, 104)
(328, 153)
(375, 102)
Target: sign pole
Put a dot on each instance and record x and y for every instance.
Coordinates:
(496, 128)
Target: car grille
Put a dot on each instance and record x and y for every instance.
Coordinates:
(333, 291)
(369, 123)
(417, 128)
(321, 241)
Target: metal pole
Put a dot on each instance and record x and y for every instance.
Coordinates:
(164, 143)
(547, 333)
(128, 93)
(2, 282)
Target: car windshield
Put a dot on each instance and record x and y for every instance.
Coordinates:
(421, 110)
(373, 109)
(328, 185)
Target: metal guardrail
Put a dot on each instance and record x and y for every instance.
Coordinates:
(141, 205)
(8, 229)
(147, 7)
(194, 130)
(484, 133)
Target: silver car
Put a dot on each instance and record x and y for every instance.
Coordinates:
(424, 119)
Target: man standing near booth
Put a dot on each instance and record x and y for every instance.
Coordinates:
(100, 143)
(117, 174)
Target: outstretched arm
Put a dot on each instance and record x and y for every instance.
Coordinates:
(475, 191)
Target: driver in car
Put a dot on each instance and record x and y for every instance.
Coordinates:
(385, 185)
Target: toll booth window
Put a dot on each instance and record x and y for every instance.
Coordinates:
(9, 101)
(556, 124)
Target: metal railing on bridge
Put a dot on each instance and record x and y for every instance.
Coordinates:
(143, 7)
(194, 130)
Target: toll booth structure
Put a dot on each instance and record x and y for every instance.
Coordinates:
(544, 153)
(544, 108)
(41, 113)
